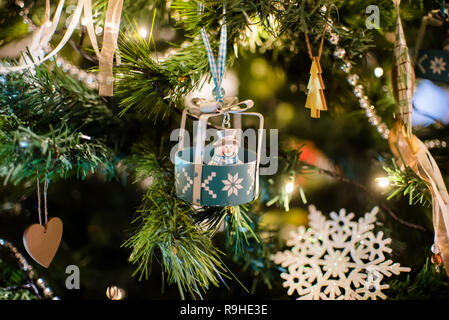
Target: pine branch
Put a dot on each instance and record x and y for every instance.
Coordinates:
(153, 85)
(406, 182)
(167, 230)
(47, 126)
(56, 154)
(428, 284)
(285, 22)
(288, 167)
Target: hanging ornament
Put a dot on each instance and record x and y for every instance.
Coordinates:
(42, 240)
(411, 152)
(337, 259)
(414, 154)
(316, 101)
(403, 75)
(432, 64)
(224, 173)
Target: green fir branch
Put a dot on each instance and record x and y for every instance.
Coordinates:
(188, 255)
(237, 226)
(154, 85)
(427, 284)
(53, 125)
(166, 229)
(406, 182)
(56, 154)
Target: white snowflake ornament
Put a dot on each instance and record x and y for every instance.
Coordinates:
(337, 259)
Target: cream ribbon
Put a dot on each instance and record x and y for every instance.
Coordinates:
(229, 105)
(45, 33)
(111, 30)
(48, 29)
(416, 156)
(90, 26)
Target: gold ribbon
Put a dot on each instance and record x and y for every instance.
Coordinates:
(412, 152)
(111, 30)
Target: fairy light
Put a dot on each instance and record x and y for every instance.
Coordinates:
(143, 32)
(378, 72)
(115, 293)
(383, 182)
(289, 187)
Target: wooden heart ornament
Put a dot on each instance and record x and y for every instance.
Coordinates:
(42, 242)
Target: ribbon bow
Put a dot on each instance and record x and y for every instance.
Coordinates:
(228, 105)
(412, 152)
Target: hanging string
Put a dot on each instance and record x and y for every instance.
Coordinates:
(217, 68)
(39, 201)
(45, 200)
(320, 51)
(39, 211)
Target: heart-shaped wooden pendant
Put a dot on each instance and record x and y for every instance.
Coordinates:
(41, 242)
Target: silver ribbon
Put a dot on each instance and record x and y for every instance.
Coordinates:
(229, 105)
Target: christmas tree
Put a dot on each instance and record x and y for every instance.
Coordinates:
(93, 94)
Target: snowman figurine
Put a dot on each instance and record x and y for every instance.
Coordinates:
(226, 148)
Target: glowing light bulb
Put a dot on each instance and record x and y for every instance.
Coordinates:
(378, 72)
(289, 187)
(383, 182)
(143, 32)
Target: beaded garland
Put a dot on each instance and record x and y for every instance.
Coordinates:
(358, 91)
(358, 88)
(28, 269)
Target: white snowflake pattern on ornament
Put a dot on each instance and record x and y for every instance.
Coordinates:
(438, 65)
(233, 184)
(337, 259)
